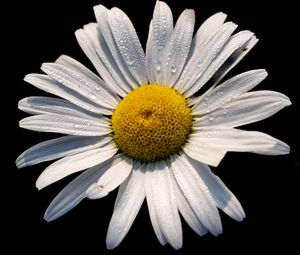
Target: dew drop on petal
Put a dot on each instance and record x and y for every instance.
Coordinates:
(173, 69)
(157, 65)
(92, 96)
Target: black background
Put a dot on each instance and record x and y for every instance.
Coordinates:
(39, 31)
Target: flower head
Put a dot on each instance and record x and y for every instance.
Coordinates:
(143, 125)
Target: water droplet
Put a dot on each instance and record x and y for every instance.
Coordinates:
(130, 62)
(173, 69)
(160, 46)
(158, 65)
(92, 96)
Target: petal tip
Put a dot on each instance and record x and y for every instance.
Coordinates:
(40, 184)
(49, 216)
(20, 163)
(111, 243)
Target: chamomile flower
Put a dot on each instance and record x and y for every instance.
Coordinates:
(143, 125)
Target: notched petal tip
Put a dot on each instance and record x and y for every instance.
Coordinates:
(28, 77)
(39, 185)
(49, 216)
(262, 73)
(20, 162)
(284, 148)
(286, 102)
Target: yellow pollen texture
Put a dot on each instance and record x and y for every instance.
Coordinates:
(151, 123)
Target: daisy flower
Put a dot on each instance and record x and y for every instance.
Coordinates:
(144, 125)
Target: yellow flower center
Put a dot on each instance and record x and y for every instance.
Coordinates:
(151, 123)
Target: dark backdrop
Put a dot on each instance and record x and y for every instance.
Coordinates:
(40, 31)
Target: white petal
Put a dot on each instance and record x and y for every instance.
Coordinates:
(105, 32)
(72, 164)
(247, 108)
(230, 139)
(94, 46)
(74, 192)
(91, 80)
(160, 194)
(235, 57)
(204, 53)
(46, 83)
(235, 42)
(187, 211)
(178, 48)
(49, 105)
(64, 124)
(128, 44)
(210, 26)
(160, 32)
(196, 193)
(80, 83)
(58, 148)
(128, 203)
(231, 62)
(113, 177)
(223, 197)
(151, 208)
(229, 90)
(203, 152)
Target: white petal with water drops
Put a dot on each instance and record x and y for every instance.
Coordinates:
(151, 208)
(58, 148)
(75, 191)
(209, 27)
(196, 193)
(160, 194)
(128, 43)
(178, 47)
(237, 52)
(80, 83)
(105, 31)
(72, 164)
(107, 91)
(46, 83)
(187, 211)
(229, 90)
(247, 108)
(94, 46)
(50, 105)
(231, 139)
(64, 124)
(117, 173)
(204, 53)
(203, 152)
(223, 197)
(236, 41)
(160, 32)
(130, 197)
